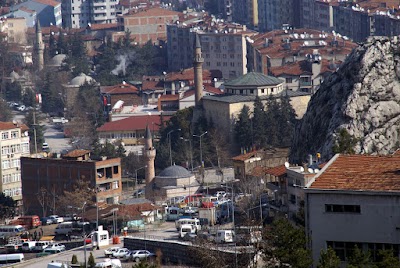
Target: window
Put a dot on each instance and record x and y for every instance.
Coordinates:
(25, 147)
(288, 80)
(4, 135)
(14, 134)
(224, 64)
(224, 56)
(5, 150)
(115, 169)
(115, 185)
(5, 164)
(332, 208)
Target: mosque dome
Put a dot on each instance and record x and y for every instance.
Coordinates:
(81, 79)
(57, 60)
(175, 172)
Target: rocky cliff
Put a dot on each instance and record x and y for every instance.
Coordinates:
(363, 97)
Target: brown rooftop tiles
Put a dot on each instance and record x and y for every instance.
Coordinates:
(360, 173)
(77, 153)
(276, 171)
(11, 125)
(244, 157)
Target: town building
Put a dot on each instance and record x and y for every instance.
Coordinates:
(71, 90)
(127, 93)
(346, 201)
(14, 29)
(47, 11)
(300, 56)
(23, 12)
(223, 45)
(148, 24)
(80, 14)
(53, 176)
(14, 144)
(278, 14)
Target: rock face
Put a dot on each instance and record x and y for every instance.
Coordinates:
(363, 97)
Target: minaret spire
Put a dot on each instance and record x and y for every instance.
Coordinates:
(150, 155)
(198, 70)
(39, 47)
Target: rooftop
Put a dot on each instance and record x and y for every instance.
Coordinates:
(133, 123)
(123, 88)
(153, 12)
(360, 173)
(76, 153)
(11, 125)
(48, 2)
(277, 171)
(254, 79)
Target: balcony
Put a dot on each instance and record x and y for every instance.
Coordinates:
(305, 83)
(99, 4)
(99, 11)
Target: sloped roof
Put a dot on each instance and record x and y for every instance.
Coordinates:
(244, 157)
(48, 2)
(133, 123)
(360, 173)
(76, 153)
(277, 171)
(186, 74)
(98, 26)
(169, 97)
(174, 172)
(11, 125)
(122, 88)
(254, 79)
(294, 68)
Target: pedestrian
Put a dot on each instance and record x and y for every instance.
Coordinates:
(35, 235)
(41, 231)
(67, 236)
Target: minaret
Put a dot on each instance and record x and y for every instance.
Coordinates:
(39, 47)
(198, 71)
(150, 155)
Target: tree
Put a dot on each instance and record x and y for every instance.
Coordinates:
(287, 244)
(271, 122)
(328, 259)
(31, 120)
(388, 259)
(286, 122)
(242, 128)
(52, 45)
(7, 206)
(72, 201)
(91, 262)
(344, 143)
(13, 91)
(359, 258)
(258, 122)
(5, 114)
(62, 47)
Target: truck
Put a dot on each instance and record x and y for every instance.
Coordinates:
(61, 120)
(209, 214)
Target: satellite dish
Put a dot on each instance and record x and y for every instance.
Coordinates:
(26, 133)
(301, 169)
(14, 122)
(310, 170)
(316, 170)
(287, 165)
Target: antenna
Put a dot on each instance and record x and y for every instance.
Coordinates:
(310, 170)
(287, 165)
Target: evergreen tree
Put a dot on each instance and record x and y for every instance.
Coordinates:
(52, 45)
(50, 95)
(271, 122)
(328, 259)
(359, 258)
(77, 61)
(74, 259)
(28, 98)
(388, 259)
(91, 262)
(7, 206)
(13, 91)
(286, 121)
(258, 123)
(61, 45)
(5, 112)
(344, 143)
(243, 128)
(32, 124)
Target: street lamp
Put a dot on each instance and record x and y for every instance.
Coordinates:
(201, 150)
(169, 139)
(233, 216)
(136, 183)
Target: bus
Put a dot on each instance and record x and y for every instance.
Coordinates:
(173, 213)
(11, 230)
(193, 200)
(11, 258)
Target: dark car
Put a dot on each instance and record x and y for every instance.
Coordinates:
(46, 221)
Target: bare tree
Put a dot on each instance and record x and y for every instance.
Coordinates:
(72, 201)
(42, 197)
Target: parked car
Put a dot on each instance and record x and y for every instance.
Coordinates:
(109, 252)
(41, 245)
(21, 108)
(46, 221)
(45, 147)
(137, 255)
(120, 253)
(56, 219)
(56, 246)
(28, 246)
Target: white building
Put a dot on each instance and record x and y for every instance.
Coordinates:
(354, 200)
(14, 144)
(77, 14)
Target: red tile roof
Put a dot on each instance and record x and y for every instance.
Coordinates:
(360, 173)
(295, 69)
(149, 84)
(169, 97)
(27, 10)
(258, 171)
(187, 75)
(133, 123)
(123, 88)
(48, 2)
(276, 171)
(244, 157)
(11, 125)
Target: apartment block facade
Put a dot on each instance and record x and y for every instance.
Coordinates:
(223, 48)
(79, 13)
(48, 11)
(57, 175)
(14, 144)
(274, 14)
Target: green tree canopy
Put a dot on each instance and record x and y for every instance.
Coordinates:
(7, 206)
(243, 128)
(5, 114)
(328, 259)
(360, 258)
(344, 143)
(258, 123)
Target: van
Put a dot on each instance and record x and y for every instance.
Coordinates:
(64, 228)
(225, 236)
(41, 245)
(186, 229)
(11, 230)
(28, 246)
(29, 222)
(11, 258)
(194, 222)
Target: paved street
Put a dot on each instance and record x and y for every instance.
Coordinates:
(55, 138)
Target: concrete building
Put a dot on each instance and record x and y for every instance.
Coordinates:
(275, 14)
(146, 24)
(14, 144)
(223, 46)
(47, 11)
(80, 14)
(129, 94)
(29, 15)
(14, 29)
(354, 200)
(70, 90)
(56, 175)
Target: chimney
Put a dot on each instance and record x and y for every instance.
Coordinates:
(310, 160)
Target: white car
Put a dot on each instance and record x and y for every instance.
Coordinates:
(21, 108)
(121, 253)
(56, 219)
(137, 255)
(109, 252)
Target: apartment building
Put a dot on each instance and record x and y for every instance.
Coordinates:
(14, 144)
(15, 29)
(146, 24)
(275, 14)
(223, 46)
(354, 201)
(80, 14)
(56, 175)
(300, 56)
(48, 11)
